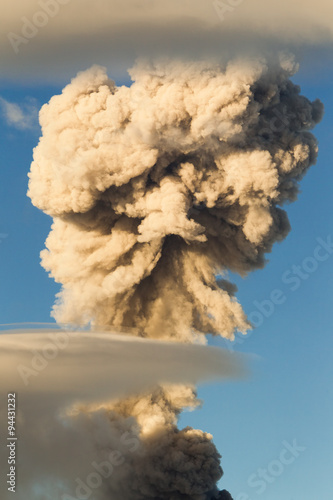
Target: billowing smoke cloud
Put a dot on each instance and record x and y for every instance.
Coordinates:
(156, 190)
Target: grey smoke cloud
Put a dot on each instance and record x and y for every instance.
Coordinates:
(157, 190)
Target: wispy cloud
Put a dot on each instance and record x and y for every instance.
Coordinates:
(22, 116)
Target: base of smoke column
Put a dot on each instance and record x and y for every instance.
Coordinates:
(224, 495)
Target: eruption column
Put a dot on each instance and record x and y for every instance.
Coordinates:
(156, 190)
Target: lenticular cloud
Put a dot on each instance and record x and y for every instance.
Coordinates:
(156, 191)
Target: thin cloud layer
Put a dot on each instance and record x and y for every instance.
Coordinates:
(53, 38)
(92, 366)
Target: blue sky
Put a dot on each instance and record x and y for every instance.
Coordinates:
(289, 397)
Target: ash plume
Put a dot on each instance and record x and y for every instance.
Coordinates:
(158, 187)
(157, 190)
